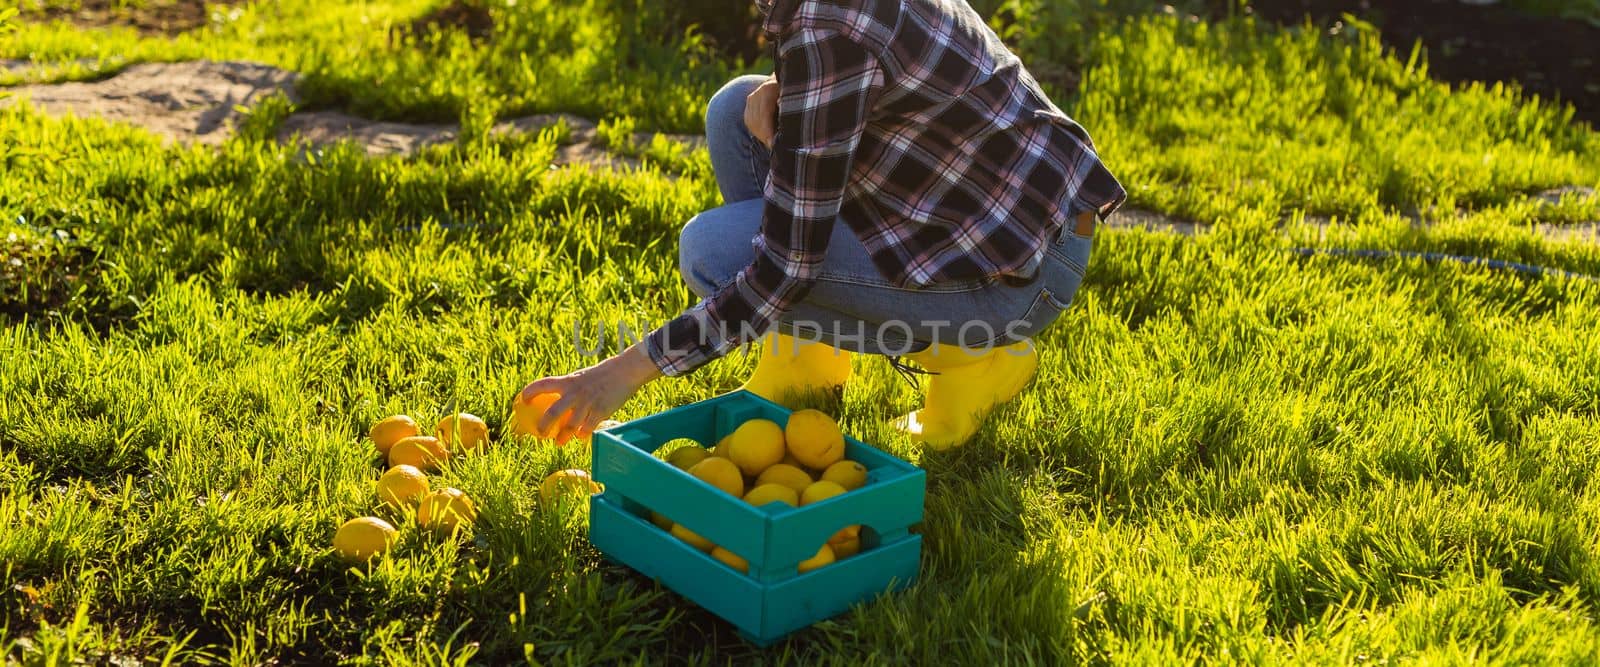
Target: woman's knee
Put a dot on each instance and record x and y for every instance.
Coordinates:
(725, 111)
(715, 245)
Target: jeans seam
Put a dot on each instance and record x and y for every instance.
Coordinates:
(753, 156)
(1045, 296)
(1072, 265)
(1059, 253)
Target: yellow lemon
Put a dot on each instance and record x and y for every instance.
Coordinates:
(360, 539)
(660, 520)
(720, 473)
(390, 430)
(571, 480)
(721, 450)
(820, 491)
(462, 433)
(767, 493)
(402, 484)
(756, 445)
(848, 474)
(730, 559)
(425, 452)
(588, 438)
(845, 548)
(824, 556)
(789, 459)
(685, 457)
(528, 412)
(446, 510)
(791, 476)
(814, 439)
(691, 538)
(846, 536)
(846, 533)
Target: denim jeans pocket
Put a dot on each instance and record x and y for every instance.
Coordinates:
(1073, 251)
(1042, 312)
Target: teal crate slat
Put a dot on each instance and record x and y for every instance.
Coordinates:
(682, 568)
(887, 507)
(829, 591)
(632, 473)
(876, 461)
(773, 599)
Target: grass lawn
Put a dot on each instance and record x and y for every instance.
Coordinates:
(1232, 453)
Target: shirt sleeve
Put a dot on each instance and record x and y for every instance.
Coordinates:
(826, 84)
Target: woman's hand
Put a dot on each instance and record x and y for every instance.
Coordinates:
(592, 395)
(761, 111)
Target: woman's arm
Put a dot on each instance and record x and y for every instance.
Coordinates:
(827, 87)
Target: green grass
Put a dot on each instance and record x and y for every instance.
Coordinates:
(599, 59)
(1232, 454)
(1234, 117)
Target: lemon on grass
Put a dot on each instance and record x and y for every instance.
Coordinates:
(756, 445)
(848, 474)
(814, 439)
(569, 481)
(401, 485)
(360, 539)
(791, 476)
(423, 452)
(390, 430)
(446, 510)
(771, 493)
(824, 556)
(462, 433)
(603, 425)
(720, 473)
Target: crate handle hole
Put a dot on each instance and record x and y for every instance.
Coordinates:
(869, 537)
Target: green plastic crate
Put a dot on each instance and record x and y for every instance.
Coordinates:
(773, 600)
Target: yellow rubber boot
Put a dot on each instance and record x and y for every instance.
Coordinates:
(790, 368)
(966, 387)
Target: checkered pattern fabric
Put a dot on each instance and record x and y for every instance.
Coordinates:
(911, 122)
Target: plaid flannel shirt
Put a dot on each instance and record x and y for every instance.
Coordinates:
(910, 121)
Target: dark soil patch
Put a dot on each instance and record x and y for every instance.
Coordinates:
(50, 277)
(1549, 56)
(157, 17)
(38, 276)
(469, 16)
(732, 29)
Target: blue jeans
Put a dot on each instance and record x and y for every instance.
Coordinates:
(852, 306)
